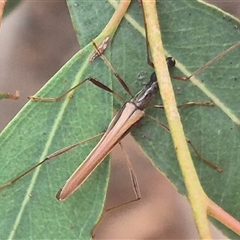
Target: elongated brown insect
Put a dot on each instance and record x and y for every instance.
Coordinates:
(130, 114)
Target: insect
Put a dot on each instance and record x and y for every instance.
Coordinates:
(83, 172)
(78, 205)
(130, 114)
(94, 159)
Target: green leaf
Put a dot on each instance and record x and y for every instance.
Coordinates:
(193, 33)
(40, 129)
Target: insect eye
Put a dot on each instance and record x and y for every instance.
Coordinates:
(171, 62)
